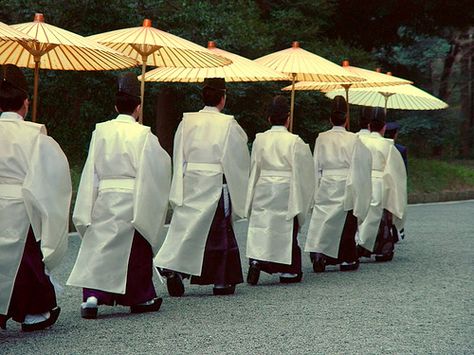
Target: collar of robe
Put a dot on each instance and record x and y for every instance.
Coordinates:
(338, 128)
(11, 116)
(210, 109)
(279, 129)
(376, 135)
(126, 118)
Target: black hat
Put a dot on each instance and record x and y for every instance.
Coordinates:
(12, 75)
(215, 83)
(129, 84)
(392, 126)
(339, 105)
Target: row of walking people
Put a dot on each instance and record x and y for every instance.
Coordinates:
(352, 183)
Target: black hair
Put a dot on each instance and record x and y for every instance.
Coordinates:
(338, 111)
(377, 121)
(11, 98)
(125, 103)
(364, 118)
(212, 97)
(278, 111)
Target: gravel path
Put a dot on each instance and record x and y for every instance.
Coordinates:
(421, 302)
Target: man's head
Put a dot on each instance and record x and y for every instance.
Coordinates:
(391, 130)
(377, 120)
(127, 99)
(214, 92)
(278, 111)
(364, 118)
(13, 90)
(338, 111)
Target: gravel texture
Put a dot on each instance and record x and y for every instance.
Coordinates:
(421, 302)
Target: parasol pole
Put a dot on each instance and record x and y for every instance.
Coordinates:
(348, 121)
(142, 88)
(35, 88)
(292, 108)
(386, 95)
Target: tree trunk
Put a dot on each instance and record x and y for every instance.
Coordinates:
(449, 61)
(167, 118)
(467, 112)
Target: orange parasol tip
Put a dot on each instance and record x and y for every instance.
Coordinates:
(389, 73)
(39, 17)
(295, 44)
(147, 22)
(345, 63)
(211, 45)
(378, 70)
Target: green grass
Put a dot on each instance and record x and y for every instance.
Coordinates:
(429, 175)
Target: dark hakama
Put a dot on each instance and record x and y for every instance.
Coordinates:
(347, 245)
(139, 287)
(294, 267)
(221, 263)
(387, 235)
(33, 292)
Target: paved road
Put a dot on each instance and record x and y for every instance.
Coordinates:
(421, 302)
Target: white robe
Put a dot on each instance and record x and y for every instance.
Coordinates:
(281, 175)
(389, 188)
(342, 168)
(207, 145)
(124, 187)
(35, 189)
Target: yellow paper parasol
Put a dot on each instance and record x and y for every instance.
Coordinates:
(241, 70)
(8, 33)
(302, 65)
(373, 79)
(154, 47)
(59, 49)
(400, 97)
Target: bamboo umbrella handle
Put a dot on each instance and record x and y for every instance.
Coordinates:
(142, 88)
(292, 107)
(35, 89)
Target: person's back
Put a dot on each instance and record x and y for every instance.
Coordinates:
(342, 167)
(35, 193)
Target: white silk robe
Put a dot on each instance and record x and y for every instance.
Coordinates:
(389, 188)
(280, 186)
(207, 145)
(342, 167)
(124, 187)
(35, 189)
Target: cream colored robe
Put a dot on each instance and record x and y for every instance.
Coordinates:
(342, 167)
(207, 144)
(281, 178)
(124, 187)
(35, 189)
(389, 188)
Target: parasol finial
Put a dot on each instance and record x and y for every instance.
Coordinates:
(39, 17)
(378, 70)
(345, 63)
(147, 22)
(389, 73)
(295, 44)
(211, 45)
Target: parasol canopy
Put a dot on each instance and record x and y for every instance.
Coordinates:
(151, 46)
(372, 79)
(302, 65)
(241, 70)
(58, 49)
(8, 33)
(400, 97)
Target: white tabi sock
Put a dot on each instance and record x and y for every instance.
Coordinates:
(90, 303)
(36, 318)
(287, 275)
(147, 303)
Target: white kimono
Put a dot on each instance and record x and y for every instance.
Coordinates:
(342, 167)
(124, 187)
(35, 189)
(207, 145)
(389, 188)
(281, 181)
